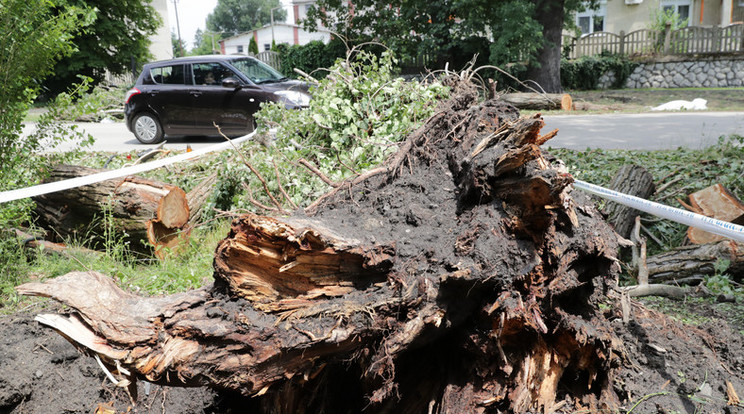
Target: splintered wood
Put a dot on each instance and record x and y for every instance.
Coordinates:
(462, 276)
(279, 265)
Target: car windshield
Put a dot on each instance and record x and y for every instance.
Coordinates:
(257, 71)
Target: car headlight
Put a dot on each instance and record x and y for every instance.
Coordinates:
(294, 97)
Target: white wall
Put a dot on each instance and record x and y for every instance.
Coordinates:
(282, 33)
(161, 46)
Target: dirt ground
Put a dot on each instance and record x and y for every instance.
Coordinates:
(666, 367)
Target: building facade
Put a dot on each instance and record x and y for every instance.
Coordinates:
(628, 15)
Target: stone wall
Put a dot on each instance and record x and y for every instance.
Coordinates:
(683, 74)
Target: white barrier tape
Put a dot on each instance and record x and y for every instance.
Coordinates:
(719, 227)
(47, 188)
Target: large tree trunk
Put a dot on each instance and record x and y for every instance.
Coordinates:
(547, 72)
(146, 213)
(462, 276)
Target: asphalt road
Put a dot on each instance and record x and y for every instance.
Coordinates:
(649, 131)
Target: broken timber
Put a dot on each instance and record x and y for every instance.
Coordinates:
(463, 277)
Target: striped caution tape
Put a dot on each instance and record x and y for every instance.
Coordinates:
(688, 218)
(47, 188)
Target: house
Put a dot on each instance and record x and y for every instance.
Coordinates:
(617, 16)
(292, 34)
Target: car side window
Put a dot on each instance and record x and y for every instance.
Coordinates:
(168, 75)
(210, 73)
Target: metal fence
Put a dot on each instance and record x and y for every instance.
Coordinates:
(685, 41)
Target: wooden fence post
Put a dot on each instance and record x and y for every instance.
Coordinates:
(667, 37)
(622, 42)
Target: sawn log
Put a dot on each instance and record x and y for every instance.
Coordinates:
(146, 213)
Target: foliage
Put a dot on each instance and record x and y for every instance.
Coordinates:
(118, 39)
(33, 36)
(310, 57)
(179, 49)
(24, 163)
(663, 18)
(452, 31)
(235, 16)
(205, 43)
(355, 119)
(584, 73)
(684, 170)
(253, 46)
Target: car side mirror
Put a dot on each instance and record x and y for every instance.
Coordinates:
(231, 82)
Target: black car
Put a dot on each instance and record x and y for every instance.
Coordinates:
(189, 96)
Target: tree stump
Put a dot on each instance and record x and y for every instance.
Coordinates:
(462, 276)
(146, 213)
(636, 181)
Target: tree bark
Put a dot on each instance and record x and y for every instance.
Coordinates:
(693, 263)
(547, 72)
(146, 213)
(462, 276)
(636, 181)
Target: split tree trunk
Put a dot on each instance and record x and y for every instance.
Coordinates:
(148, 213)
(462, 276)
(636, 181)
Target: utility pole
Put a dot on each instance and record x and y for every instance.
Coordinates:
(272, 23)
(178, 28)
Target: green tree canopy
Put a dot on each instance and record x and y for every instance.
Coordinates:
(205, 43)
(34, 34)
(236, 16)
(526, 32)
(117, 39)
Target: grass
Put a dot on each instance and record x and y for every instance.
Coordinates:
(189, 269)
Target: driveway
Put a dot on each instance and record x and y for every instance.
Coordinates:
(648, 131)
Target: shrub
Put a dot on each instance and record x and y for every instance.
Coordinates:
(584, 73)
(310, 57)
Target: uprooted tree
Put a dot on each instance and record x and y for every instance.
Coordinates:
(463, 275)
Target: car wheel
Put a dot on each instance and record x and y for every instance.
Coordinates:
(147, 129)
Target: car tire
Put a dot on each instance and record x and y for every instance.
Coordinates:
(147, 128)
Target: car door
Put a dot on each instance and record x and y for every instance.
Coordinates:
(229, 108)
(168, 97)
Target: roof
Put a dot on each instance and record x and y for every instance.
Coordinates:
(200, 58)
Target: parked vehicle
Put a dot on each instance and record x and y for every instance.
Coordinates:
(189, 96)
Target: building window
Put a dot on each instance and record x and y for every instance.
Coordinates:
(590, 21)
(240, 48)
(681, 7)
(267, 46)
